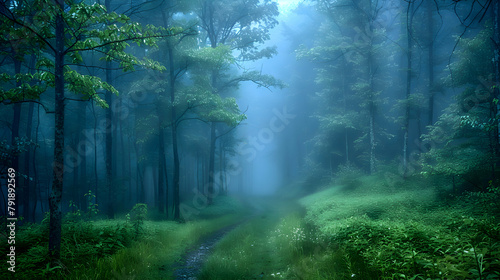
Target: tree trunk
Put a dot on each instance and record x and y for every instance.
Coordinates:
(109, 147)
(496, 91)
(406, 126)
(161, 161)
(430, 58)
(221, 162)
(36, 184)
(175, 150)
(372, 137)
(16, 123)
(82, 149)
(371, 112)
(96, 175)
(109, 137)
(58, 166)
(211, 164)
(27, 160)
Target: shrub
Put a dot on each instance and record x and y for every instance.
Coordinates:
(137, 216)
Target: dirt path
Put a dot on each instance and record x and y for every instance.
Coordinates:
(192, 261)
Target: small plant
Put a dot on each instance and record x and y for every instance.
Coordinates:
(92, 209)
(137, 216)
(74, 214)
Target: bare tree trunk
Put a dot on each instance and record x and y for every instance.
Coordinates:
(430, 58)
(16, 123)
(96, 175)
(161, 161)
(221, 175)
(35, 173)
(27, 159)
(409, 24)
(83, 181)
(496, 91)
(175, 149)
(58, 166)
(109, 147)
(211, 164)
(372, 137)
(109, 138)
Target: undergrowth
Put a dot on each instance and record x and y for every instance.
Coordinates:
(129, 248)
(376, 232)
(370, 231)
(261, 248)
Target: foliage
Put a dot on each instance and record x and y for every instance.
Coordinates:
(242, 25)
(82, 244)
(92, 209)
(404, 235)
(154, 254)
(137, 216)
(88, 28)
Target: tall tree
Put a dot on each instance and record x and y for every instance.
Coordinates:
(78, 27)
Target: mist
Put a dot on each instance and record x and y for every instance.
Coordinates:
(250, 139)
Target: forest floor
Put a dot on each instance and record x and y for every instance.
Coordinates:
(266, 213)
(248, 251)
(365, 229)
(360, 229)
(189, 266)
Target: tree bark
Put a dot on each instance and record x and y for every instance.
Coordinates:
(161, 161)
(16, 123)
(83, 184)
(58, 166)
(430, 58)
(175, 149)
(409, 24)
(496, 91)
(211, 164)
(109, 138)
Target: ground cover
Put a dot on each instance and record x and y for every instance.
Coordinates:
(374, 231)
(126, 248)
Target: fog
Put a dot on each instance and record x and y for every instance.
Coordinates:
(203, 115)
(304, 90)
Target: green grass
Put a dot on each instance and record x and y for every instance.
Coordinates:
(373, 231)
(376, 232)
(261, 246)
(111, 249)
(154, 255)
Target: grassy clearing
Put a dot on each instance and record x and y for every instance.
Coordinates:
(111, 249)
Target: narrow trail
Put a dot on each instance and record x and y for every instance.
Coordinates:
(192, 261)
(190, 265)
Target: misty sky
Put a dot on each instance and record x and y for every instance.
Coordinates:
(287, 5)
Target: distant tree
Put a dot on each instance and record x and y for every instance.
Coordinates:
(356, 42)
(243, 26)
(338, 106)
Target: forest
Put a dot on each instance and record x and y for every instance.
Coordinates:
(250, 139)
